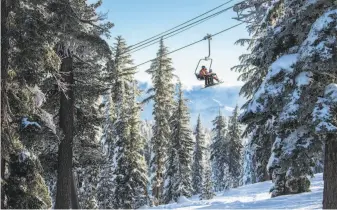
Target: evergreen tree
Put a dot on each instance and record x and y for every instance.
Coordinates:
(129, 172)
(178, 175)
(138, 167)
(234, 149)
(219, 152)
(198, 156)
(207, 185)
(130, 182)
(248, 175)
(161, 71)
(118, 77)
(291, 62)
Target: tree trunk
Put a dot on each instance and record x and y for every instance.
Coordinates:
(65, 153)
(330, 171)
(4, 58)
(156, 190)
(74, 197)
(4, 72)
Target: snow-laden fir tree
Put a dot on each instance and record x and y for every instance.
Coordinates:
(34, 69)
(234, 149)
(161, 71)
(178, 171)
(130, 171)
(207, 185)
(293, 47)
(248, 175)
(138, 168)
(252, 68)
(146, 132)
(198, 157)
(219, 152)
(118, 77)
(25, 59)
(81, 50)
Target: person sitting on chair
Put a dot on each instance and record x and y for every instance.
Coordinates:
(204, 74)
(214, 75)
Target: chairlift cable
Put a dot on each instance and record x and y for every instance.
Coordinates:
(182, 28)
(170, 36)
(160, 34)
(205, 38)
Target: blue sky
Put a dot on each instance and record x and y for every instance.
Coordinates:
(138, 20)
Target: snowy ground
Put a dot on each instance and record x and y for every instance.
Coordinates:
(256, 196)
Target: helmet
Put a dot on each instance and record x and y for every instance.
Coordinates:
(203, 67)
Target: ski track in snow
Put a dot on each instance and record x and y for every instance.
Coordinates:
(256, 196)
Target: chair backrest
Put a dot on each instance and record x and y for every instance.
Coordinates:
(198, 76)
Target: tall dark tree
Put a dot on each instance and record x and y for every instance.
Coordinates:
(294, 71)
(207, 185)
(161, 70)
(198, 157)
(26, 58)
(72, 20)
(219, 152)
(178, 174)
(234, 149)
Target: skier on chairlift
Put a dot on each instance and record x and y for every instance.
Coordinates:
(204, 74)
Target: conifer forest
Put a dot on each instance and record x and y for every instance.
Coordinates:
(73, 135)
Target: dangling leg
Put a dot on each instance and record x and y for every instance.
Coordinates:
(215, 77)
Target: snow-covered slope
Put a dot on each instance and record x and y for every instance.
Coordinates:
(256, 196)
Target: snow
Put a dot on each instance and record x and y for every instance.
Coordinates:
(309, 2)
(283, 64)
(39, 96)
(47, 118)
(303, 78)
(277, 30)
(256, 196)
(24, 155)
(322, 114)
(290, 109)
(310, 46)
(183, 199)
(331, 92)
(272, 160)
(26, 123)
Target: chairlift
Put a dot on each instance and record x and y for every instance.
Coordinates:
(208, 79)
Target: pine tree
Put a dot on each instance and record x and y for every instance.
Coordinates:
(26, 57)
(118, 77)
(253, 68)
(234, 149)
(219, 152)
(198, 156)
(138, 167)
(80, 48)
(291, 62)
(178, 175)
(207, 185)
(161, 71)
(248, 175)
